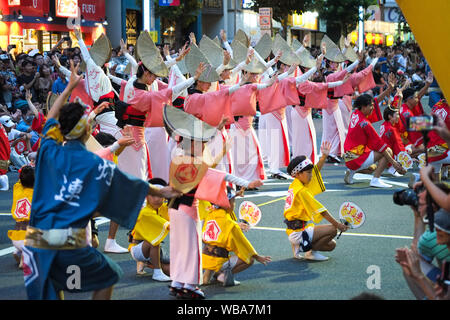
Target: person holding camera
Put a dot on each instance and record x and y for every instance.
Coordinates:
(425, 280)
(363, 146)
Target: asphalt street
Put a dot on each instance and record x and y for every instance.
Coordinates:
(363, 260)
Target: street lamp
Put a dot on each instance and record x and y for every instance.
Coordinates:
(105, 23)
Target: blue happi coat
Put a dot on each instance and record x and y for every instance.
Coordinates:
(72, 184)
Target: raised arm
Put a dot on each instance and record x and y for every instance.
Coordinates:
(223, 36)
(130, 58)
(62, 98)
(178, 88)
(33, 109)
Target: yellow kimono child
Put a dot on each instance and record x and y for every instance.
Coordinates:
(21, 208)
(302, 211)
(151, 228)
(221, 235)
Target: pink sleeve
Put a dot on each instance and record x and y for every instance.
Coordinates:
(123, 84)
(271, 99)
(105, 153)
(159, 100)
(162, 85)
(212, 188)
(243, 101)
(336, 76)
(209, 106)
(289, 90)
(316, 94)
(363, 80)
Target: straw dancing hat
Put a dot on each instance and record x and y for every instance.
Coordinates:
(192, 61)
(255, 66)
(150, 55)
(350, 54)
(242, 37)
(264, 46)
(288, 57)
(333, 52)
(100, 52)
(178, 122)
(306, 59)
(214, 53)
(51, 98)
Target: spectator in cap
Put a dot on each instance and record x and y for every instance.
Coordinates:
(19, 142)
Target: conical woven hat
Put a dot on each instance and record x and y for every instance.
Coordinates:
(100, 52)
(242, 37)
(350, 54)
(192, 61)
(51, 98)
(255, 66)
(182, 66)
(264, 46)
(212, 51)
(186, 125)
(150, 55)
(217, 41)
(239, 51)
(333, 52)
(288, 57)
(306, 59)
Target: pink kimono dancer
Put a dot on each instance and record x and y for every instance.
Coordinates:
(135, 159)
(216, 146)
(276, 140)
(185, 245)
(303, 133)
(246, 151)
(333, 129)
(157, 143)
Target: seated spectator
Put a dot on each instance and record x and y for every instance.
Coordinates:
(19, 143)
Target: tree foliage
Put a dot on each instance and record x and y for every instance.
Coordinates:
(341, 15)
(184, 14)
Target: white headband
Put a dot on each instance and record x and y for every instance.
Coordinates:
(298, 168)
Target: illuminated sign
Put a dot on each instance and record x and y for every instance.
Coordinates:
(67, 8)
(306, 20)
(13, 3)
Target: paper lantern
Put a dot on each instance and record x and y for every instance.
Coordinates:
(369, 38)
(389, 40)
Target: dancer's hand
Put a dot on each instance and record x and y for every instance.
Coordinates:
(200, 69)
(342, 227)
(183, 52)
(325, 148)
(263, 259)
(255, 184)
(125, 141)
(169, 192)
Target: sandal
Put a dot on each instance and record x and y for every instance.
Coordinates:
(174, 291)
(187, 294)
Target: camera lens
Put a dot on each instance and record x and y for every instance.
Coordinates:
(406, 197)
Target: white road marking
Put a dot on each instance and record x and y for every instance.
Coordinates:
(280, 193)
(362, 176)
(347, 233)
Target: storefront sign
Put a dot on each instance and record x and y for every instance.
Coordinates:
(92, 10)
(67, 8)
(13, 3)
(34, 8)
(265, 18)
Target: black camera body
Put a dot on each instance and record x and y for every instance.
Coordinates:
(406, 197)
